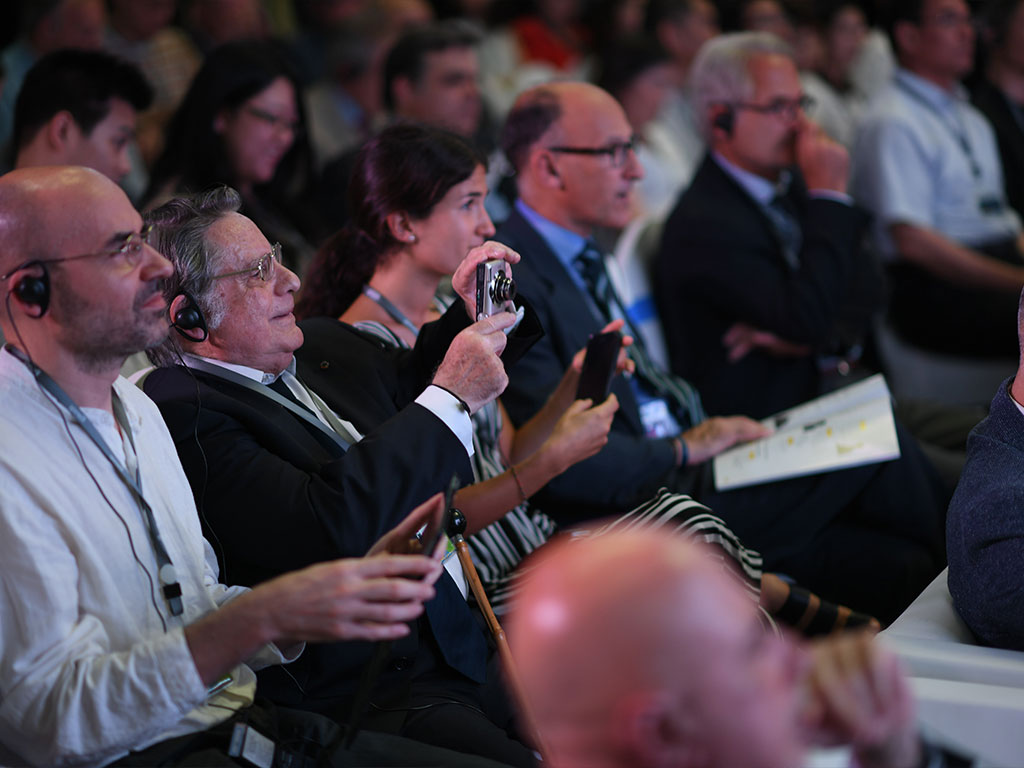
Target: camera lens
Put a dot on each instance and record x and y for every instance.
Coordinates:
(503, 288)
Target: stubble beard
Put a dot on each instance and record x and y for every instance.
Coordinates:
(99, 338)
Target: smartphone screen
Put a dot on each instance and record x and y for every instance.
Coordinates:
(599, 366)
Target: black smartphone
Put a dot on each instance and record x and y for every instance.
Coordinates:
(599, 366)
(436, 528)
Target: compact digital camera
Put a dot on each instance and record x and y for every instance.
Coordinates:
(495, 290)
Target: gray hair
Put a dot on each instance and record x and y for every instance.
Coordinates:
(721, 70)
(180, 227)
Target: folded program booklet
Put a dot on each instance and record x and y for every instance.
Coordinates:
(846, 428)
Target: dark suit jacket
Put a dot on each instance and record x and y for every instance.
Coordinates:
(783, 520)
(985, 528)
(720, 263)
(630, 467)
(1009, 135)
(375, 386)
(276, 497)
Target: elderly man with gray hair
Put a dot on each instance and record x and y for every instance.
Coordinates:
(760, 277)
(282, 479)
(769, 203)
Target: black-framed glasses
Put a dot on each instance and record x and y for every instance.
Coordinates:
(618, 151)
(781, 107)
(264, 268)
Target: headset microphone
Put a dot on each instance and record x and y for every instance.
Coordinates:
(189, 318)
(33, 290)
(724, 120)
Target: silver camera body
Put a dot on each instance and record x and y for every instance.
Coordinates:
(495, 290)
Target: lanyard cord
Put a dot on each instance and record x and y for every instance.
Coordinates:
(166, 574)
(394, 312)
(957, 132)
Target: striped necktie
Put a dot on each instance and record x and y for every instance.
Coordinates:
(681, 397)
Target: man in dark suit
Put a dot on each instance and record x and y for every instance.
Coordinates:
(282, 479)
(570, 145)
(761, 275)
(761, 255)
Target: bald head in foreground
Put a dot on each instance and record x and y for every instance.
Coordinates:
(634, 650)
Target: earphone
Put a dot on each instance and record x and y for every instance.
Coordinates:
(189, 318)
(31, 290)
(724, 120)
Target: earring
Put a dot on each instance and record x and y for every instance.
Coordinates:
(411, 238)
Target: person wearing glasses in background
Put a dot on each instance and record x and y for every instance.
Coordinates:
(768, 203)
(243, 124)
(761, 274)
(571, 146)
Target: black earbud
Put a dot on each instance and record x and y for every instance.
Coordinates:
(190, 317)
(34, 290)
(725, 120)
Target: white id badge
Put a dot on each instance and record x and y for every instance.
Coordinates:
(252, 746)
(657, 419)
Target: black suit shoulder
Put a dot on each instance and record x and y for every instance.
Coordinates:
(275, 495)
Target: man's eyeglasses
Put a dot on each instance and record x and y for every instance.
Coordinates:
(618, 151)
(130, 249)
(264, 268)
(787, 108)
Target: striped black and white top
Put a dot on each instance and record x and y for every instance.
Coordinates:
(498, 549)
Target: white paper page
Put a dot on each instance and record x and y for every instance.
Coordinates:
(864, 434)
(871, 388)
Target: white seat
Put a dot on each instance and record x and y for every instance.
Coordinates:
(970, 694)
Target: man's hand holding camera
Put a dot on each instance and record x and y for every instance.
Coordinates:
(472, 369)
(464, 279)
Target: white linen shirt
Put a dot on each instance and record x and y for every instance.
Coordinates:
(87, 671)
(910, 165)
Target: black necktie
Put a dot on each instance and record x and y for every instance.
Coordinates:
(590, 266)
(679, 394)
(786, 223)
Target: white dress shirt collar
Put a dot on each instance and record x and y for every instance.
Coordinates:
(260, 377)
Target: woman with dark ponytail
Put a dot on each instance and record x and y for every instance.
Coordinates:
(402, 173)
(417, 209)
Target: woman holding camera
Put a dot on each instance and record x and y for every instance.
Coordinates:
(416, 201)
